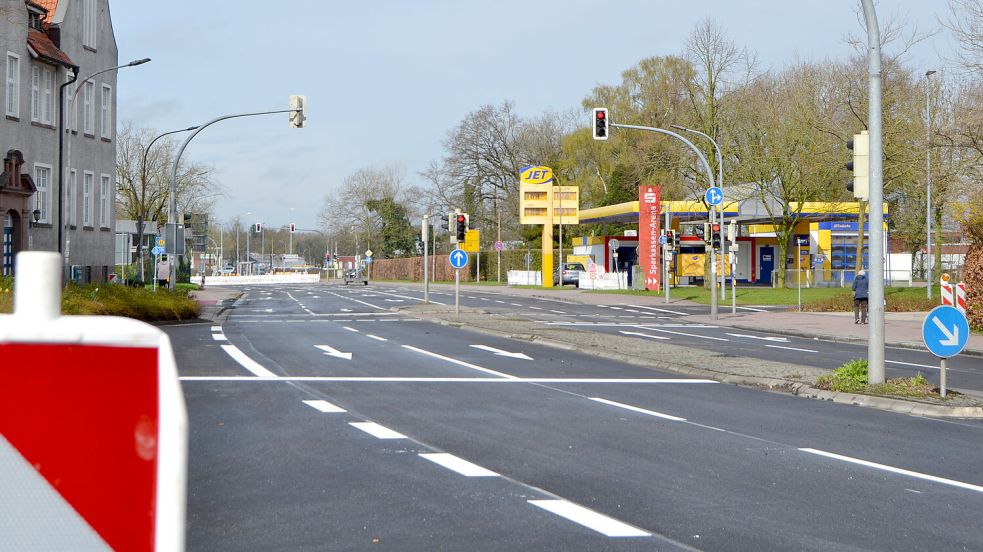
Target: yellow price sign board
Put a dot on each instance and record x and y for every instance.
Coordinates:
(539, 204)
(472, 241)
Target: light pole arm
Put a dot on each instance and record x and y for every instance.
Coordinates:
(699, 154)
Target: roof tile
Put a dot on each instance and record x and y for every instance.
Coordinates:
(46, 49)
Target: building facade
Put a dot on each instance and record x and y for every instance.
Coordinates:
(48, 49)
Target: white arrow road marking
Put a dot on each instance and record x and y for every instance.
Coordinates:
(951, 338)
(331, 351)
(500, 352)
(458, 465)
(640, 334)
(764, 337)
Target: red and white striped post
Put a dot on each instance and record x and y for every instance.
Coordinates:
(960, 297)
(93, 426)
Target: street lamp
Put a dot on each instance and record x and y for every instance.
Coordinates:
(142, 215)
(63, 240)
(928, 182)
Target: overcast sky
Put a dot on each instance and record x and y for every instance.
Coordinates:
(386, 80)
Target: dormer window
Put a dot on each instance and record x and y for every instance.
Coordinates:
(34, 21)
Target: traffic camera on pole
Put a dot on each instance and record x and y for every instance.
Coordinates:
(600, 123)
(298, 111)
(860, 165)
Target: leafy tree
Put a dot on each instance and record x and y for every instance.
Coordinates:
(396, 233)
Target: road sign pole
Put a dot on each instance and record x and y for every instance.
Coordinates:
(426, 271)
(942, 378)
(457, 292)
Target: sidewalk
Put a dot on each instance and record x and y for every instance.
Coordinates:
(212, 301)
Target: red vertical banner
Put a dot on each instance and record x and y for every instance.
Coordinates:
(649, 232)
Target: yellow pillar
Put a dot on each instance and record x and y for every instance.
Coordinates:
(547, 268)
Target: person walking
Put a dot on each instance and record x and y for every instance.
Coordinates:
(163, 272)
(860, 298)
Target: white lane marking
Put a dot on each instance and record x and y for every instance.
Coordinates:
(762, 337)
(470, 297)
(500, 352)
(331, 351)
(639, 410)
(377, 431)
(912, 364)
(793, 349)
(497, 301)
(324, 406)
(414, 299)
(536, 308)
(395, 300)
(684, 333)
(216, 328)
(460, 362)
(219, 337)
(351, 329)
(640, 334)
(557, 312)
(658, 309)
(375, 337)
(485, 299)
(752, 309)
(892, 469)
(458, 465)
(515, 304)
(633, 310)
(346, 310)
(247, 363)
(389, 379)
(616, 308)
(358, 301)
(590, 519)
(308, 311)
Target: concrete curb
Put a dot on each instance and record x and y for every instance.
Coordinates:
(792, 387)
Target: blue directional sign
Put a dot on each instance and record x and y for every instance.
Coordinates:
(368, 260)
(945, 331)
(663, 240)
(458, 258)
(714, 195)
(157, 250)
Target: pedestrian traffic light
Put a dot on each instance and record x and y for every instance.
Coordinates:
(298, 111)
(600, 123)
(259, 227)
(293, 228)
(461, 225)
(860, 165)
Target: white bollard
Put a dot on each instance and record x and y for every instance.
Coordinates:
(37, 288)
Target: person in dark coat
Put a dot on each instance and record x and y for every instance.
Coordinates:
(860, 298)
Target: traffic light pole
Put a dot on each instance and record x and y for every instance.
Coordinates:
(426, 266)
(710, 179)
(875, 344)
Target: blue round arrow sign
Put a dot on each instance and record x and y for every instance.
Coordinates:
(714, 195)
(458, 258)
(945, 331)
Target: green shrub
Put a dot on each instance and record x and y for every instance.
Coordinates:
(849, 378)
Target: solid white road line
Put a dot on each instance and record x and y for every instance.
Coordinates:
(351, 329)
(415, 299)
(761, 337)
(658, 309)
(590, 519)
(458, 465)
(899, 471)
(324, 406)
(377, 431)
(639, 410)
(793, 349)
(396, 379)
(219, 337)
(460, 362)
(752, 309)
(247, 363)
(640, 334)
(375, 337)
(912, 364)
(683, 333)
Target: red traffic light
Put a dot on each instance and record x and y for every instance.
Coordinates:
(716, 228)
(460, 219)
(600, 114)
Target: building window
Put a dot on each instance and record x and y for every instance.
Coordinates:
(106, 112)
(73, 190)
(88, 107)
(104, 201)
(87, 198)
(89, 24)
(42, 180)
(48, 97)
(13, 85)
(35, 93)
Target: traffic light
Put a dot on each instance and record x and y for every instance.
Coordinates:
(449, 226)
(600, 123)
(706, 233)
(671, 239)
(860, 166)
(259, 227)
(715, 236)
(298, 111)
(461, 226)
(293, 228)
(732, 232)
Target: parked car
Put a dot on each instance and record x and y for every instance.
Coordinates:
(356, 275)
(571, 274)
(227, 270)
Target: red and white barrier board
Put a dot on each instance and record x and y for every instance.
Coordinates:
(954, 295)
(93, 426)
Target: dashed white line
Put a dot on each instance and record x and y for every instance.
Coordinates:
(324, 406)
(686, 334)
(375, 337)
(216, 328)
(640, 334)
(536, 308)
(458, 465)
(659, 310)
(793, 349)
(247, 363)
(497, 301)
(892, 469)
(590, 519)
(351, 329)
(639, 410)
(377, 431)
(219, 337)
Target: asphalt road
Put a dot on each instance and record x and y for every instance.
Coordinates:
(626, 318)
(319, 420)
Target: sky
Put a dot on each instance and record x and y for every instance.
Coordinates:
(386, 80)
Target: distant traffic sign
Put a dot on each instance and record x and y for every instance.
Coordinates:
(499, 246)
(161, 242)
(458, 258)
(368, 252)
(157, 250)
(945, 331)
(368, 260)
(714, 195)
(663, 240)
